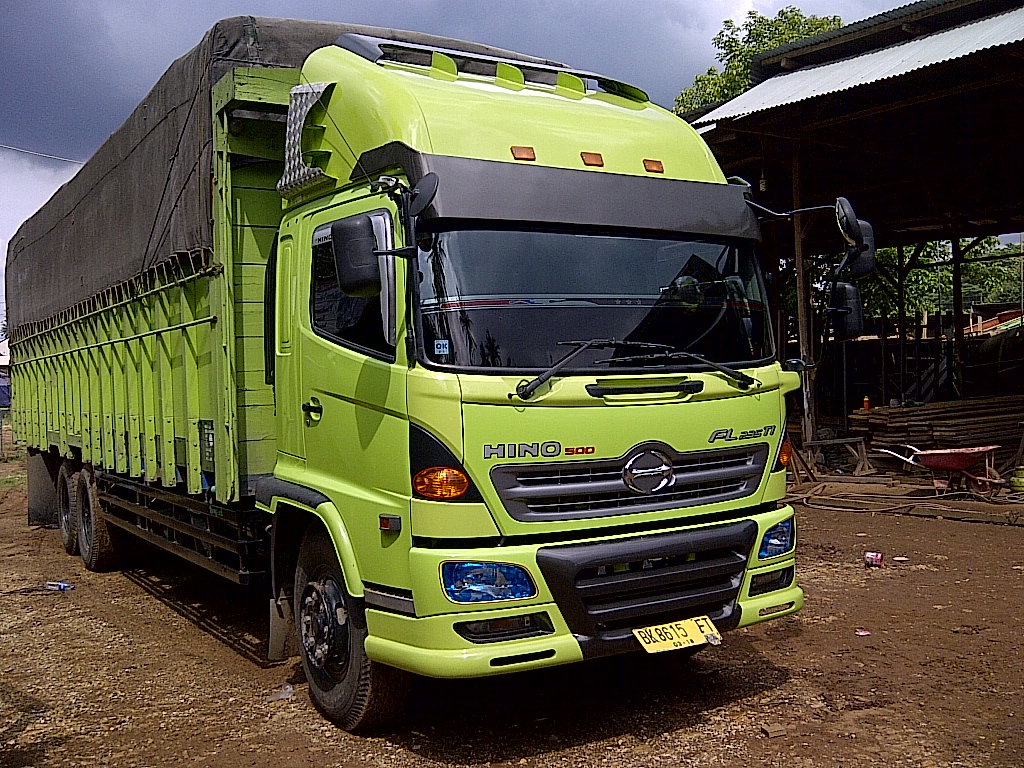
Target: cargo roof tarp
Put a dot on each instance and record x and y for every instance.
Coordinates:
(146, 194)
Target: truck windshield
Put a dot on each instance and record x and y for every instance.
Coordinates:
(510, 299)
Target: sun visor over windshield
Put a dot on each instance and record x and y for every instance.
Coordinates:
(486, 190)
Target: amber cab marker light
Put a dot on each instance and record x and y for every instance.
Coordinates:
(592, 158)
(654, 166)
(524, 153)
(440, 483)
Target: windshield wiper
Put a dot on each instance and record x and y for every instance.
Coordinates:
(739, 377)
(526, 389)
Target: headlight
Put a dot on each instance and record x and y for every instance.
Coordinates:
(479, 582)
(778, 540)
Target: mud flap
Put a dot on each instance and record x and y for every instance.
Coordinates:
(42, 488)
(283, 643)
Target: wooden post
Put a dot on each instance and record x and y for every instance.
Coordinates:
(959, 343)
(804, 318)
(901, 306)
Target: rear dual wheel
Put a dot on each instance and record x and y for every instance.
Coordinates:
(98, 544)
(67, 507)
(347, 687)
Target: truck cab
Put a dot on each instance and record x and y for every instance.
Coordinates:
(528, 406)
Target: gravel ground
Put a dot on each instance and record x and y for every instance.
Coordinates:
(162, 665)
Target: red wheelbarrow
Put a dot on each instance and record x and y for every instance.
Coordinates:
(964, 468)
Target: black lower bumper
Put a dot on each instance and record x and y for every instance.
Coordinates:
(606, 590)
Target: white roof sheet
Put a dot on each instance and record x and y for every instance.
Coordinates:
(873, 66)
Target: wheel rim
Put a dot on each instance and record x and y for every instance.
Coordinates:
(323, 630)
(85, 524)
(64, 508)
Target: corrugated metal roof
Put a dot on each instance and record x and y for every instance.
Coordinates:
(855, 28)
(871, 67)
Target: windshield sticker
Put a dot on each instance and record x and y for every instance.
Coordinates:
(441, 347)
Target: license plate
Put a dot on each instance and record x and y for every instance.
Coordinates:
(678, 634)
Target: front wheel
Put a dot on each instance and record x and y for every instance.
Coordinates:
(348, 688)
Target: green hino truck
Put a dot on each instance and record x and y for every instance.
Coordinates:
(465, 353)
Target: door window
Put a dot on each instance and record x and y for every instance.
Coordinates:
(347, 320)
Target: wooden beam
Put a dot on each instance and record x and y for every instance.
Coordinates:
(959, 342)
(804, 317)
(890, 106)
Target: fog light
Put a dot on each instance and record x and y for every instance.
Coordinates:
(507, 628)
(778, 540)
(770, 582)
(481, 582)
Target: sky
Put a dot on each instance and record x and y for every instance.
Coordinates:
(73, 69)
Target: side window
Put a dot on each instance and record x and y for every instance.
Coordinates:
(351, 321)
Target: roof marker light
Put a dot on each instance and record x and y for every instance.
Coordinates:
(524, 153)
(592, 158)
(654, 166)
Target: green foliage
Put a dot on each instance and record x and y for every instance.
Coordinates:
(737, 44)
(931, 289)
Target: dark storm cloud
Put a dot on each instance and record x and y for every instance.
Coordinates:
(74, 69)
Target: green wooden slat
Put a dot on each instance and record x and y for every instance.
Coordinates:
(190, 366)
(133, 380)
(147, 368)
(93, 452)
(60, 414)
(165, 369)
(120, 389)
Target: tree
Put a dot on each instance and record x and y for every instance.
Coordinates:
(737, 45)
(931, 289)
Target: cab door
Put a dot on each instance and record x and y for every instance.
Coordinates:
(352, 386)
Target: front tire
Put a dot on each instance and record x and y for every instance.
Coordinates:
(348, 688)
(67, 507)
(97, 544)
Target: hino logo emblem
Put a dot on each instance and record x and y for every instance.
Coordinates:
(649, 472)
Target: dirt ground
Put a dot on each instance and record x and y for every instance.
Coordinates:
(162, 665)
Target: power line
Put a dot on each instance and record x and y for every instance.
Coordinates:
(41, 154)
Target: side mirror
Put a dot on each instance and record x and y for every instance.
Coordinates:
(796, 364)
(355, 258)
(862, 263)
(849, 224)
(846, 311)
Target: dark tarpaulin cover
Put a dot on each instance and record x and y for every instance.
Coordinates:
(146, 193)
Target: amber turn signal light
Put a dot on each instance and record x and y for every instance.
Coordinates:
(524, 153)
(654, 166)
(440, 483)
(592, 158)
(785, 453)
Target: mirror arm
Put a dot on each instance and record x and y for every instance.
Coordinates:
(768, 211)
(812, 208)
(408, 252)
(787, 214)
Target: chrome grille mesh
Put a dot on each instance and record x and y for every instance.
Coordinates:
(581, 489)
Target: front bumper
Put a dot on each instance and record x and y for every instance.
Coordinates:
(593, 593)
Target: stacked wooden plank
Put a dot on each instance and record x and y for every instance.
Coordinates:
(958, 424)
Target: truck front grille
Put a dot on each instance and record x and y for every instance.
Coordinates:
(582, 489)
(606, 590)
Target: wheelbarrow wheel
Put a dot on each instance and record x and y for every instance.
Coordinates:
(987, 486)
